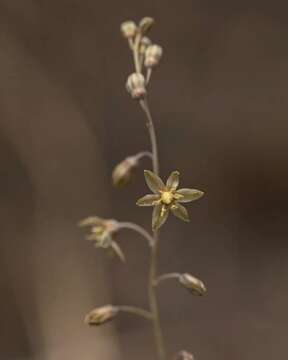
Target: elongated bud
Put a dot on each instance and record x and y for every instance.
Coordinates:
(123, 171)
(191, 283)
(101, 315)
(153, 55)
(145, 42)
(145, 24)
(128, 29)
(184, 355)
(136, 85)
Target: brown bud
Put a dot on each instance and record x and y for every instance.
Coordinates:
(135, 85)
(101, 315)
(184, 355)
(123, 171)
(128, 29)
(145, 24)
(153, 55)
(191, 283)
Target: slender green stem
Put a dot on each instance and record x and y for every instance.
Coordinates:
(136, 311)
(136, 53)
(153, 299)
(142, 154)
(148, 75)
(154, 250)
(152, 133)
(138, 229)
(131, 43)
(155, 244)
(166, 277)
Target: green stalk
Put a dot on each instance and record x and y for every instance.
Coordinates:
(153, 303)
(154, 308)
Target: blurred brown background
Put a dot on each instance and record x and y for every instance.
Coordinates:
(220, 104)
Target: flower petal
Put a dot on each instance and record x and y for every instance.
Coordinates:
(159, 216)
(173, 180)
(189, 195)
(91, 220)
(148, 200)
(118, 251)
(103, 241)
(153, 181)
(180, 211)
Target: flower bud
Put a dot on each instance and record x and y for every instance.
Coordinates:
(184, 355)
(191, 283)
(146, 24)
(145, 42)
(101, 315)
(128, 29)
(123, 171)
(153, 55)
(136, 85)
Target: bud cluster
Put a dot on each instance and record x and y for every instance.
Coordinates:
(129, 29)
(145, 54)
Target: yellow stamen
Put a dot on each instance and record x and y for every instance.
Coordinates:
(98, 230)
(178, 196)
(167, 197)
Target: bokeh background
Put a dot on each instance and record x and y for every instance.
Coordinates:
(219, 100)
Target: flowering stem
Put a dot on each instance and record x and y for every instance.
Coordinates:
(138, 229)
(154, 249)
(136, 311)
(155, 244)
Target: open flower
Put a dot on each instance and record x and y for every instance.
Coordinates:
(167, 198)
(101, 232)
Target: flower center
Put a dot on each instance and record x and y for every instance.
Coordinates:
(166, 197)
(98, 230)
